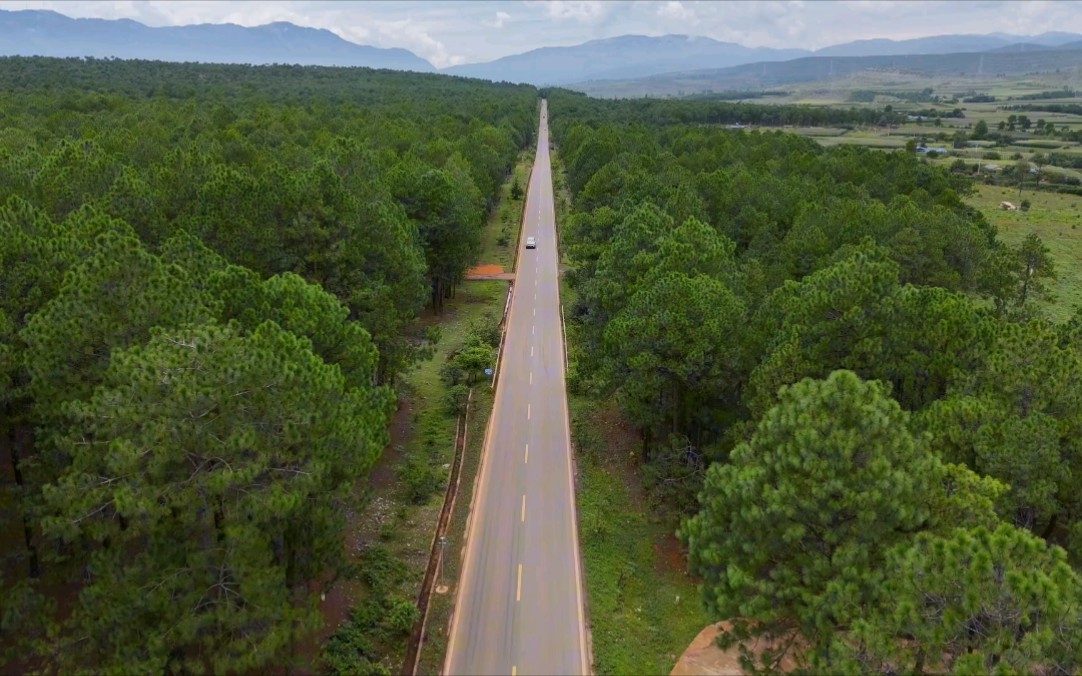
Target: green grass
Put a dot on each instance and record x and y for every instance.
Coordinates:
(434, 648)
(1057, 220)
(644, 608)
(391, 517)
(505, 220)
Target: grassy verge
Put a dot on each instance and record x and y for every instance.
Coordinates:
(434, 648)
(500, 239)
(1057, 220)
(391, 535)
(393, 532)
(644, 609)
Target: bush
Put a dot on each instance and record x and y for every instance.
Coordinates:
(355, 646)
(401, 616)
(419, 479)
(455, 399)
(475, 358)
(1024, 206)
(451, 373)
(486, 329)
(585, 436)
(992, 156)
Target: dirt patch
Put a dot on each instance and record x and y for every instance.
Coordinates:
(704, 656)
(485, 270)
(345, 595)
(670, 555)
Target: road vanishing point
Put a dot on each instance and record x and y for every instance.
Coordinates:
(519, 607)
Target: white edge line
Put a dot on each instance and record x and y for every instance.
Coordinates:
(476, 501)
(574, 506)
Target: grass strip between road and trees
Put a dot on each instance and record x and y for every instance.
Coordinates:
(500, 241)
(643, 607)
(394, 529)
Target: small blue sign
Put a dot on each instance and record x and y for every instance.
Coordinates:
(488, 372)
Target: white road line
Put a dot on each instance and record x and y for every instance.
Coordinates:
(527, 460)
(518, 592)
(527, 411)
(531, 350)
(523, 508)
(533, 330)
(531, 377)
(535, 312)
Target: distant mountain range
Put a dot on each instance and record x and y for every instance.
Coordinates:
(621, 57)
(45, 33)
(638, 56)
(624, 58)
(762, 76)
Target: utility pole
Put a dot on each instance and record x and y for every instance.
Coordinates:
(443, 547)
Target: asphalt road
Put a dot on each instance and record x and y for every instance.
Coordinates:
(519, 606)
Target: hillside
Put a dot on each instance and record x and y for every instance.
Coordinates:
(945, 44)
(620, 57)
(766, 75)
(46, 33)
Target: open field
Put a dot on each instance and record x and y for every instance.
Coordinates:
(1057, 220)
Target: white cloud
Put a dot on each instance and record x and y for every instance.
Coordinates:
(410, 35)
(586, 11)
(674, 9)
(499, 21)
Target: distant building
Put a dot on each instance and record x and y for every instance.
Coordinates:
(991, 167)
(942, 151)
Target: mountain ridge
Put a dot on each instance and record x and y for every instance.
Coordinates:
(48, 33)
(816, 68)
(620, 58)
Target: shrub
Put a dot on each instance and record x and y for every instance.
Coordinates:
(401, 616)
(455, 399)
(1024, 206)
(419, 478)
(451, 373)
(486, 328)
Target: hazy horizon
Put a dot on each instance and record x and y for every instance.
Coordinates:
(471, 31)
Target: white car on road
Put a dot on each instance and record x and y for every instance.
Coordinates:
(531, 243)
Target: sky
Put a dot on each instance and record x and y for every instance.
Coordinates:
(448, 33)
